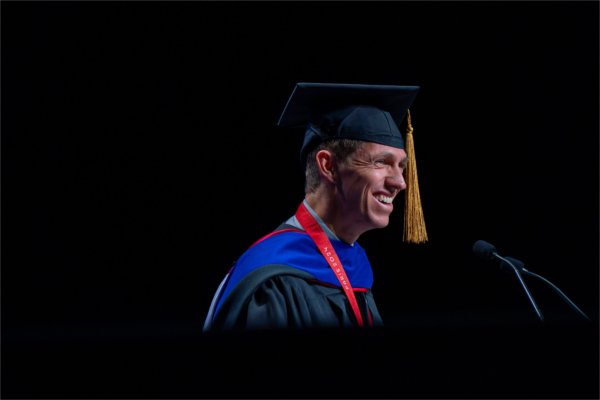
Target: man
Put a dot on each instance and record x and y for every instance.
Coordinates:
(311, 272)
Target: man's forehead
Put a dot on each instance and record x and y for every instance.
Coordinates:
(383, 150)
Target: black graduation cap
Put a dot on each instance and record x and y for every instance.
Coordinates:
(370, 113)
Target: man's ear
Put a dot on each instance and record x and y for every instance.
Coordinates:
(325, 162)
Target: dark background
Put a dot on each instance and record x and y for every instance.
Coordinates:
(140, 157)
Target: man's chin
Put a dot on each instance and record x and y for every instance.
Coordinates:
(380, 222)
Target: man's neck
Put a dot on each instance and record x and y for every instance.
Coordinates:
(324, 206)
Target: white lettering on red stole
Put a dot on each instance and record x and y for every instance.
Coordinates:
(335, 267)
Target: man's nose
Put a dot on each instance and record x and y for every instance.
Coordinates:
(396, 182)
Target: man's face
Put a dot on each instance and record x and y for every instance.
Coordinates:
(369, 181)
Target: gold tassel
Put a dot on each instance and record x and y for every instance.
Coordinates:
(414, 222)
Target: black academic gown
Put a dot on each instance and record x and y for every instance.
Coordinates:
(277, 296)
(281, 297)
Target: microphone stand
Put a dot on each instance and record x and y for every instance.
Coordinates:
(533, 303)
(557, 290)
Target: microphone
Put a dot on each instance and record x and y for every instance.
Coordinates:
(484, 250)
(488, 252)
(518, 264)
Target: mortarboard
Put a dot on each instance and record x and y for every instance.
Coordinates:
(370, 113)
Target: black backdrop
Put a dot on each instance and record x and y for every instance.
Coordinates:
(140, 157)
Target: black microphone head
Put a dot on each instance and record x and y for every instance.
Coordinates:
(483, 249)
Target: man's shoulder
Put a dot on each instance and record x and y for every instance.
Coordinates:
(273, 242)
(285, 226)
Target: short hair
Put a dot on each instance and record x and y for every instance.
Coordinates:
(340, 148)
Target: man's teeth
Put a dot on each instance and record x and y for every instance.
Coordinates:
(385, 199)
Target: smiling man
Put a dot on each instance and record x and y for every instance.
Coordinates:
(311, 272)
